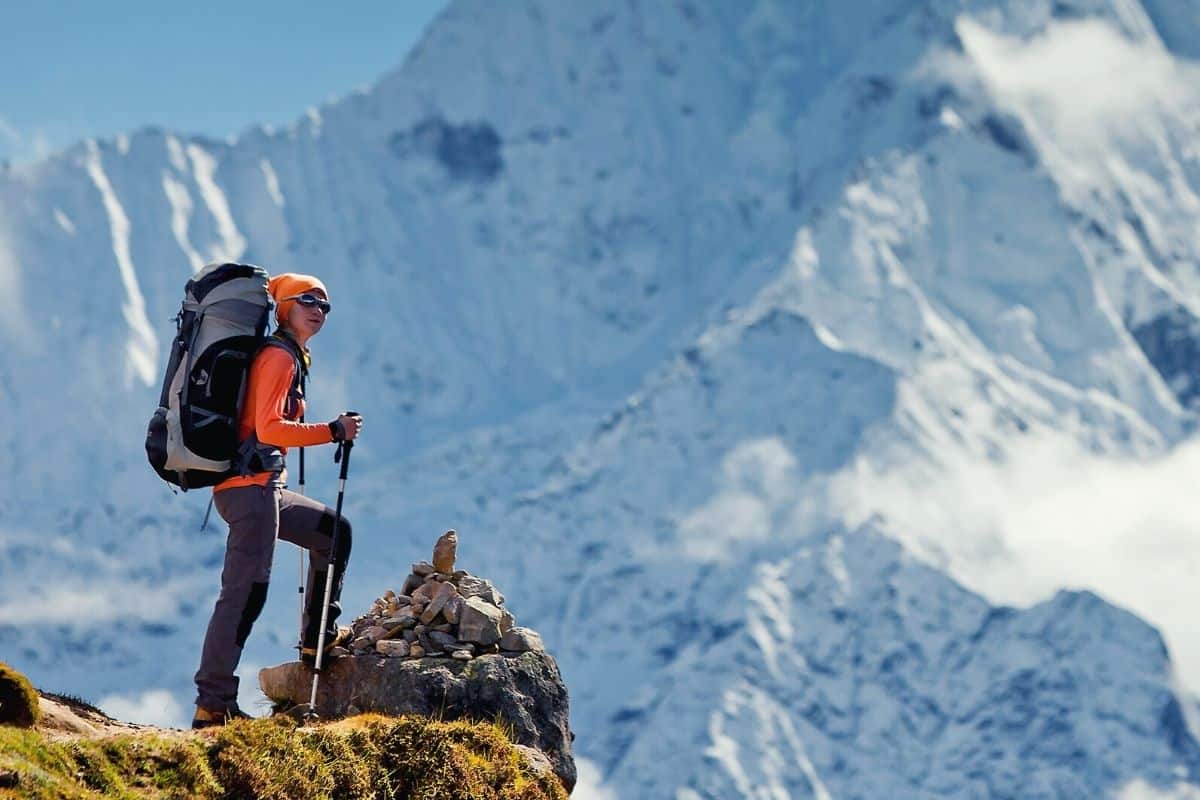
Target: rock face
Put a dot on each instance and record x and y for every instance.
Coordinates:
(526, 691)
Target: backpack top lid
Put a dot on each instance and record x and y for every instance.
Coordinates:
(218, 274)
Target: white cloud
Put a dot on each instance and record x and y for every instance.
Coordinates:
(151, 707)
(1082, 69)
(758, 478)
(1055, 516)
(589, 784)
(1140, 790)
(10, 134)
(19, 147)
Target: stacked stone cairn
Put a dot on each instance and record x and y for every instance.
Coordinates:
(441, 612)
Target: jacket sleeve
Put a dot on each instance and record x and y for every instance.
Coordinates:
(272, 374)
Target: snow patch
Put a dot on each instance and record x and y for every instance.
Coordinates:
(232, 244)
(142, 347)
(64, 222)
(181, 211)
(272, 181)
(175, 155)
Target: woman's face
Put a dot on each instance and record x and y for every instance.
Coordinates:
(305, 321)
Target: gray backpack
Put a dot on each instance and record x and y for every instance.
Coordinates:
(192, 439)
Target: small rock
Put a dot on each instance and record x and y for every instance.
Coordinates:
(399, 622)
(452, 609)
(424, 593)
(362, 644)
(403, 600)
(461, 655)
(444, 641)
(353, 710)
(470, 586)
(416, 651)
(410, 583)
(522, 639)
(338, 652)
(388, 596)
(479, 622)
(401, 613)
(444, 627)
(421, 568)
(507, 620)
(470, 648)
(459, 574)
(410, 636)
(375, 633)
(393, 648)
(440, 596)
(445, 551)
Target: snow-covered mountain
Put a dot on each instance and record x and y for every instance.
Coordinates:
(646, 299)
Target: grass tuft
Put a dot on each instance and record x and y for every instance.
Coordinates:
(18, 700)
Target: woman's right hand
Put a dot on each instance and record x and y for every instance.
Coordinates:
(351, 425)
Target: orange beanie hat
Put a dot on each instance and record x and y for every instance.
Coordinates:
(291, 284)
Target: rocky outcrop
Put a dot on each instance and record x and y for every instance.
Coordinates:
(524, 691)
(445, 646)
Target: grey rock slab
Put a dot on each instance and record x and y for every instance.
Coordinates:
(479, 621)
(521, 639)
(452, 609)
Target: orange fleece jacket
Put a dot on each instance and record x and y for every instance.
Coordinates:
(265, 413)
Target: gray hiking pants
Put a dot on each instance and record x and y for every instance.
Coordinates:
(256, 516)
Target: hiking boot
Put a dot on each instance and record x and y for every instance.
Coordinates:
(208, 718)
(308, 654)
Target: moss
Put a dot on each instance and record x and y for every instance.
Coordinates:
(369, 756)
(18, 700)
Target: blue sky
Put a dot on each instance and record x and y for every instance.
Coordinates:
(71, 69)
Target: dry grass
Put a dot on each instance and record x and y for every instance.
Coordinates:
(409, 758)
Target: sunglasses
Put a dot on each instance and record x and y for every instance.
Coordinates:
(311, 300)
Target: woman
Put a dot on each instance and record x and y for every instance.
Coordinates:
(258, 508)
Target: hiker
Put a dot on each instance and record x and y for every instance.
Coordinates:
(258, 508)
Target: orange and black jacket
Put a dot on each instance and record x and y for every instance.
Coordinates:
(272, 413)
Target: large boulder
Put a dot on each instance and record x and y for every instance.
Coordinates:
(525, 691)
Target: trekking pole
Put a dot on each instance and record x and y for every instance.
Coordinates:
(343, 455)
(300, 584)
(204, 525)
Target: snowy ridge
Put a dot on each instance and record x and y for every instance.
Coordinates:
(879, 677)
(645, 311)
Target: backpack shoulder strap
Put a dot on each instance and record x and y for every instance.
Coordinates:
(285, 342)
